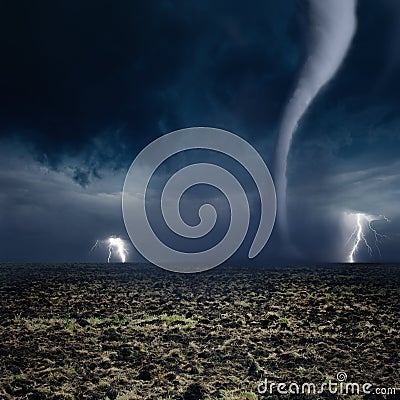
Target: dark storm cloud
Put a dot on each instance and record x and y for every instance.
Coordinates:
(130, 71)
(323, 227)
(72, 71)
(46, 216)
(85, 85)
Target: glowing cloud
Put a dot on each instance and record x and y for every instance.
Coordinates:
(114, 245)
(117, 245)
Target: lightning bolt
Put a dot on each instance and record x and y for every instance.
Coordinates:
(377, 235)
(358, 237)
(114, 245)
(95, 246)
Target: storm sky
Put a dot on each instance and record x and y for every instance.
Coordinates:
(86, 85)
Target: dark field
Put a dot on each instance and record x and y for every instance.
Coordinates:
(138, 332)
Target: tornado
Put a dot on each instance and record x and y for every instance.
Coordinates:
(331, 27)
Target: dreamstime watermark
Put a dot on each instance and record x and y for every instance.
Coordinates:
(339, 387)
(134, 209)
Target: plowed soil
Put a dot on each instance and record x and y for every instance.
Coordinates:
(138, 332)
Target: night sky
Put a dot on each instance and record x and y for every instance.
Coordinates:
(85, 85)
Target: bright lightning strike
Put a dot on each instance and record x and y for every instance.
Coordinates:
(115, 245)
(358, 238)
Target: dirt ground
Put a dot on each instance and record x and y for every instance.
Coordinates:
(138, 332)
